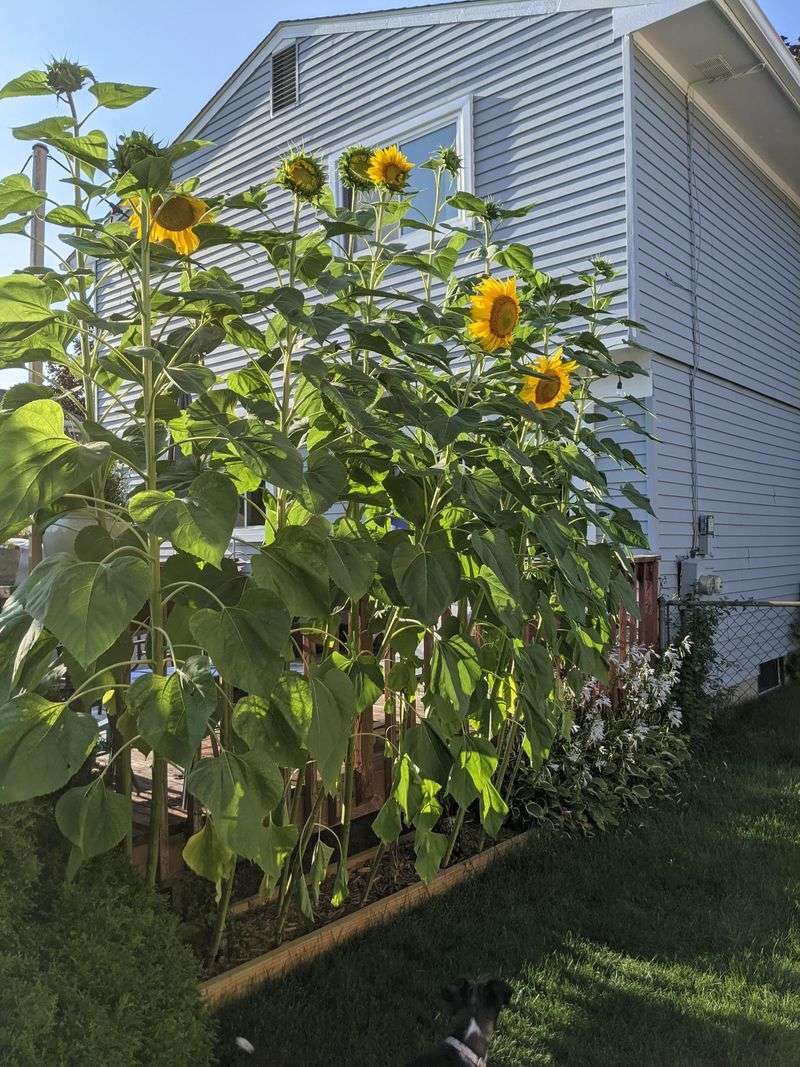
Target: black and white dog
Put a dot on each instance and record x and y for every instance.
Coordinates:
(477, 1006)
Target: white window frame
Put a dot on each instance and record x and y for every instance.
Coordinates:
(460, 111)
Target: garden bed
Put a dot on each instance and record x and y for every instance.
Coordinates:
(249, 955)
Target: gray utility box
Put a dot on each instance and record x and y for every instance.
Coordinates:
(699, 577)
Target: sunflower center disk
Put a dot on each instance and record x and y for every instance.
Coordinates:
(503, 316)
(177, 214)
(547, 388)
(394, 175)
(303, 177)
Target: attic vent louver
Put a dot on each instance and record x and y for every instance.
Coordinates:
(284, 79)
(715, 68)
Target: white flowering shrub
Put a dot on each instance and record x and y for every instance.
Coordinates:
(625, 747)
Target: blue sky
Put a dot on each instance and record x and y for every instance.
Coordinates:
(180, 46)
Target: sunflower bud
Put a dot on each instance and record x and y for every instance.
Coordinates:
(302, 175)
(64, 76)
(353, 167)
(133, 148)
(448, 159)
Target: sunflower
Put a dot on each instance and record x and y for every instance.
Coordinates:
(354, 167)
(389, 167)
(495, 313)
(174, 219)
(302, 175)
(554, 384)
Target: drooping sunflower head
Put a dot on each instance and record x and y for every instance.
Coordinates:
(354, 168)
(552, 382)
(390, 168)
(66, 76)
(494, 312)
(173, 219)
(133, 148)
(302, 175)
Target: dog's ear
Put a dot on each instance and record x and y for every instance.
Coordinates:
(458, 994)
(499, 991)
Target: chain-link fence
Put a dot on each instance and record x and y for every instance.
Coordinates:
(754, 639)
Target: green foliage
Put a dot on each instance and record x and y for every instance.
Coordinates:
(696, 693)
(579, 791)
(93, 971)
(405, 486)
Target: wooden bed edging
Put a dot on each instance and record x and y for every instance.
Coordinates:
(288, 957)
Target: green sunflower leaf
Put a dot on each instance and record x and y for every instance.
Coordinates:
(42, 744)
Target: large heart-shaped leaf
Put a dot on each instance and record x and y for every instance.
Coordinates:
(40, 463)
(238, 792)
(118, 94)
(279, 726)
(85, 604)
(247, 642)
(428, 580)
(474, 764)
(208, 856)
(495, 550)
(26, 652)
(295, 569)
(94, 819)
(429, 849)
(455, 670)
(352, 565)
(333, 711)
(17, 195)
(173, 711)
(201, 525)
(42, 744)
(326, 481)
(31, 83)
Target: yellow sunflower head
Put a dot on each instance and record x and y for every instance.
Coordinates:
(302, 175)
(354, 168)
(554, 384)
(495, 313)
(390, 168)
(173, 219)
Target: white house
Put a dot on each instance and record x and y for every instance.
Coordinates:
(663, 136)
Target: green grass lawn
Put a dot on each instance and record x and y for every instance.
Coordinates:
(674, 940)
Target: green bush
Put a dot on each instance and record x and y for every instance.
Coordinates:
(92, 972)
(585, 787)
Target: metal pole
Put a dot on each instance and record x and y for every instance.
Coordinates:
(36, 369)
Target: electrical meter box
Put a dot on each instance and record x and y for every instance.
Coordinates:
(698, 577)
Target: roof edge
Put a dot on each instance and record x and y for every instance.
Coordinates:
(364, 22)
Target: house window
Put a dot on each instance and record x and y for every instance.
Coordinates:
(251, 508)
(421, 181)
(770, 674)
(447, 126)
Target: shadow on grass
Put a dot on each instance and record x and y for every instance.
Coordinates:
(674, 940)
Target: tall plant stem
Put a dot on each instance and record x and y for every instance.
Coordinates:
(451, 844)
(158, 806)
(347, 799)
(373, 872)
(296, 863)
(87, 369)
(286, 377)
(222, 915)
